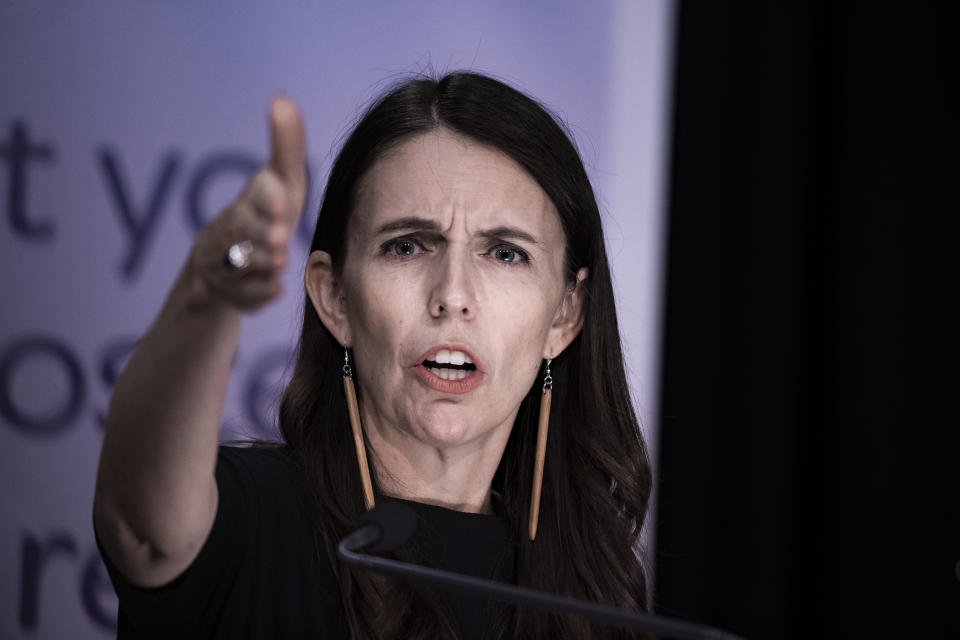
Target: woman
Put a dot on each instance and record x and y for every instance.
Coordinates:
(457, 270)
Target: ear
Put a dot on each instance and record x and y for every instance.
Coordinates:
(569, 318)
(326, 294)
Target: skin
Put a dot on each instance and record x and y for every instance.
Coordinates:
(451, 242)
(156, 496)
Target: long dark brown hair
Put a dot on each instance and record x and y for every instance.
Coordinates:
(597, 477)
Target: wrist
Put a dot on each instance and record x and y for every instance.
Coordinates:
(199, 296)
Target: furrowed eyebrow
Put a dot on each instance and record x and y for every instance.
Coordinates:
(508, 233)
(410, 223)
(413, 223)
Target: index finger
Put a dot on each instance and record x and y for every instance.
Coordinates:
(288, 146)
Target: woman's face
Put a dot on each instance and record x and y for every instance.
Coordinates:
(452, 290)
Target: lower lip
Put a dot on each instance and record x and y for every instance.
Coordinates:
(432, 380)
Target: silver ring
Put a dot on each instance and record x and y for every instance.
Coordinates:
(238, 255)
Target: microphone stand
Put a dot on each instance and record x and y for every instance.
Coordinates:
(371, 534)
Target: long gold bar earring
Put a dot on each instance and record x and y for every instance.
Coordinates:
(541, 450)
(354, 412)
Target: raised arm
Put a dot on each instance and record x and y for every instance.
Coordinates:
(156, 496)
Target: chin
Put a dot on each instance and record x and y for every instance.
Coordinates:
(447, 429)
(447, 434)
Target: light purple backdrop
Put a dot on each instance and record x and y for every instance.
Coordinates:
(112, 107)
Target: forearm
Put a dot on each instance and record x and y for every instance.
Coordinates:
(160, 445)
(156, 495)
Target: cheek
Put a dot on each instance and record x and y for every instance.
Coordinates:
(379, 315)
(522, 317)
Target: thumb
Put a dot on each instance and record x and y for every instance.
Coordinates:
(288, 146)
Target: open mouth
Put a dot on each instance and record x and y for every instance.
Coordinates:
(450, 364)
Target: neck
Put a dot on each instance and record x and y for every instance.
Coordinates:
(456, 477)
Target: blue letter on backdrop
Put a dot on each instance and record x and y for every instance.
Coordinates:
(139, 226)
(17, 153)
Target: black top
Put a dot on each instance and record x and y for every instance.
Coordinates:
(260, 573)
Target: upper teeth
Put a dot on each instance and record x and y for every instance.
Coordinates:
(446, 356)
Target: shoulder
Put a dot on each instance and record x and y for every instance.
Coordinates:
(269, 459)
(261, 478)
(259, 463)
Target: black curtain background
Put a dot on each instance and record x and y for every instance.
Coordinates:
(808, 475)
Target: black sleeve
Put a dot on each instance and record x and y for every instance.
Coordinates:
(258, 568)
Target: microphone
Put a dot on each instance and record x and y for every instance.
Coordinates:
(390, 524)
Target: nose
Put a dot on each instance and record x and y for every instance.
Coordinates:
(453, 290)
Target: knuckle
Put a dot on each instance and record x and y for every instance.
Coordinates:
(276, 237)
(278, 204)
(270, 194)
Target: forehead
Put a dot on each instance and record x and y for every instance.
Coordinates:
(450, 178)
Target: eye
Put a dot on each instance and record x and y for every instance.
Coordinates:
(404, 248)
(508, 254)
(401, 248)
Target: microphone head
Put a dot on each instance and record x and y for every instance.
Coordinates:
(396, 522)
